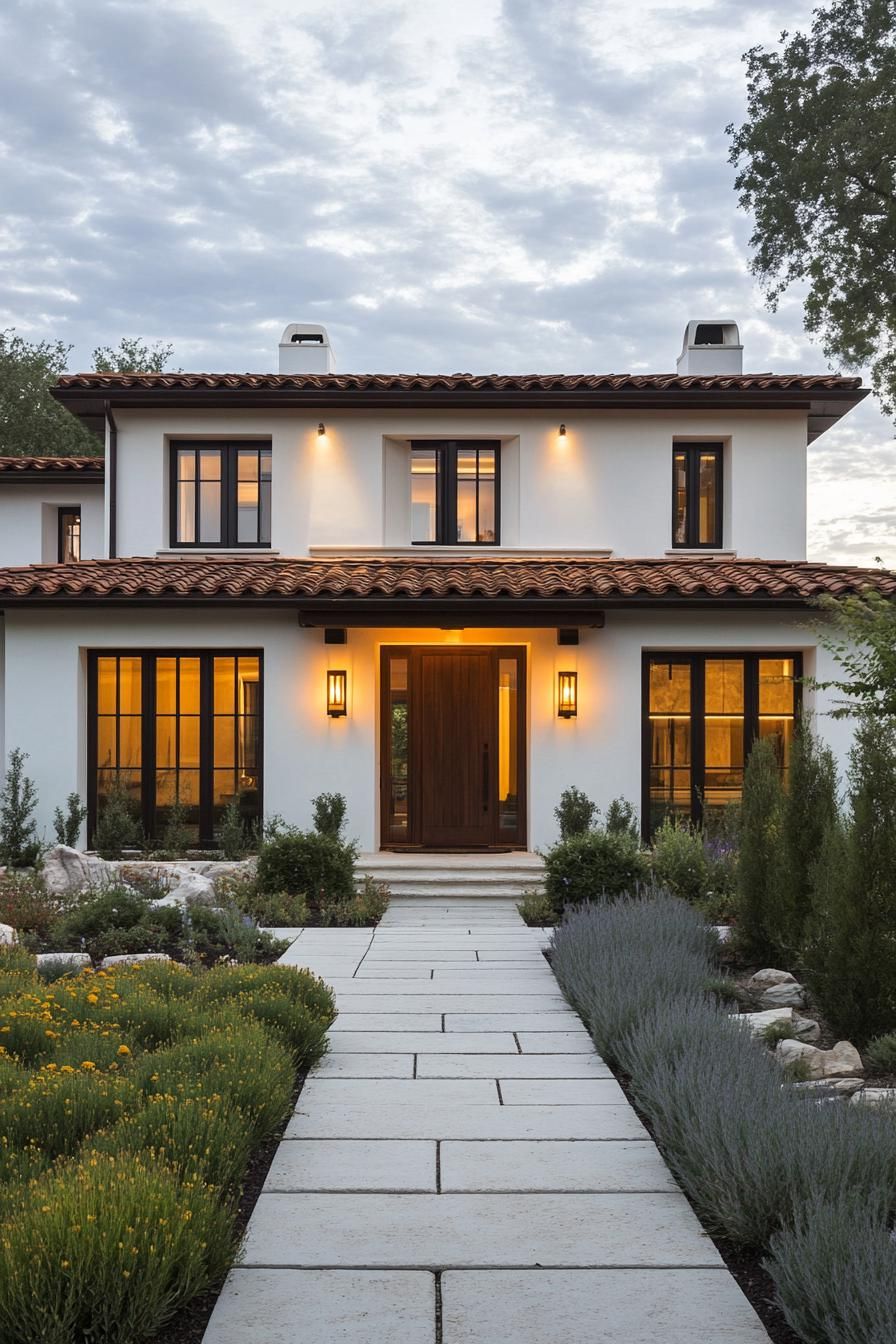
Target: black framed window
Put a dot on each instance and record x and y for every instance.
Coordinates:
(69, 533)
(176, 727)
(455, 493)
(220, 494)
(701, 715)
(697, 495)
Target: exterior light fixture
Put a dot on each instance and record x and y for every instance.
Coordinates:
(567, 695)
(321, 430)
(337, 698)
(561, 435)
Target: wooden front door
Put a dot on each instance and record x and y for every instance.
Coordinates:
(453, 743)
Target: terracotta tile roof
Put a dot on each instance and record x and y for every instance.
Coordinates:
(52, 466)
(456, 382)
(273, 581)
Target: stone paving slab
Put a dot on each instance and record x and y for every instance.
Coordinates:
(549, 1019)
(433, 1000)
(580, 1166)
(414, 1091)
(354, 1021)
(554, 1042)
(398, 985)
(290, 1306)
(628, 1306)
(363, 1065)
(422, 953)
(506, 1066)
(353, 1164)
(401, 1042)
(414, 1121)
(451, 1231)
(561, 1092)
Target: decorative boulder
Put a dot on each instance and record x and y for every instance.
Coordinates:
(762, 980)
(806, 1028)
(787, 994)
(190, 887)
(875, 1096)
(8, 935)
(840, 1086)
(74, 961)
(842, 1061)
(757, 1022)
(67, 870)
(133, 958)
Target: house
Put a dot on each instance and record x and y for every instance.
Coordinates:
(447, 597)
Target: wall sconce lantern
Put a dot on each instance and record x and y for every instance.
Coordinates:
(321, 430)
(337, 694)
(561, 435)
(567, 695)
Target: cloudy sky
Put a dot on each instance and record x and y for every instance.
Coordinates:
(484, 185)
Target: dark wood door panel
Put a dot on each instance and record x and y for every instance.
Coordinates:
(456, 731)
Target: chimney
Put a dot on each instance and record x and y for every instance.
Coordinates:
(305, 348)
(711, 347)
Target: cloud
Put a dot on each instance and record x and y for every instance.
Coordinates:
(468, 185)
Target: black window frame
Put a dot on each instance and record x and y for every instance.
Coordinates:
(696, 660)
(149, 658)
(229, 450)
(693, 452)
(447, 452)
(63, 512)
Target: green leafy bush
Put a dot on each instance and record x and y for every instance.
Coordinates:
(175, 837)
(593, 865)
(304, 863)
(575, 813)
(117, 827)
(621, 816)
(537, 909)
(107, 1249)
(19, 845)
(679, 862)
(760, 852)
(881, 1053)
(225, 932)
(329, 811)
(67, 824)
(236, 835)
(117, 920)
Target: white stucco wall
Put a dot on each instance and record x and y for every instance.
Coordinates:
(608, 486)
(306, 752)
(29, 520)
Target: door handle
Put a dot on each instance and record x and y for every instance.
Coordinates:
(485, 779)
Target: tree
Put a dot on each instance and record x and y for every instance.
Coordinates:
(861, 634)
(816, 160)
(809, 812)
(31, 422)
(132, 355)
(760, 851)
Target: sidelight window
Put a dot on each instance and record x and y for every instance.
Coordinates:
(702, 715)
(69, 548)
(697, 495)
(176, 729)
(455, 493)
(220, 494)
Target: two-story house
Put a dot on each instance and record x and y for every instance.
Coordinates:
(447, 597)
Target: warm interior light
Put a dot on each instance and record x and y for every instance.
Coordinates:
(337, 685)
(321, 430)
(567, 695)
(561, 435)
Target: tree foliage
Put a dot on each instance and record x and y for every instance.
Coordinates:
(861, 634)
(31, 422)
(132, 355)
(816, 159)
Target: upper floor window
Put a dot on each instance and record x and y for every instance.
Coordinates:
(697, 495)
(69, 533)
(455, 493)
(220, 494)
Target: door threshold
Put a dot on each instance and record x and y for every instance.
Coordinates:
(474, 849)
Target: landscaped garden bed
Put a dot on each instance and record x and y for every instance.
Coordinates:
(131, 1105)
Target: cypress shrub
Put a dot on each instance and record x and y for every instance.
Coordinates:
(808, 813)
(760, 851)
(850, 956)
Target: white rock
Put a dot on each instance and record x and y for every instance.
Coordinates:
(769, 976)
(8, 935)
(133, 958)
(842, 1061)
(784, 995)
(74, 960)
(875, 1096)
(806, 1028)
(723, 932)
(191, 887)
(67, 870)
(838, 1086)
(757, 1022)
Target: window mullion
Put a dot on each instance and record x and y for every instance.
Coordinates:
(698, 737)
(206, 746)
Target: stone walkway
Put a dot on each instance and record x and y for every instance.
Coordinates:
(463, 1169)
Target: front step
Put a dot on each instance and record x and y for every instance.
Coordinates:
(456, 876)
